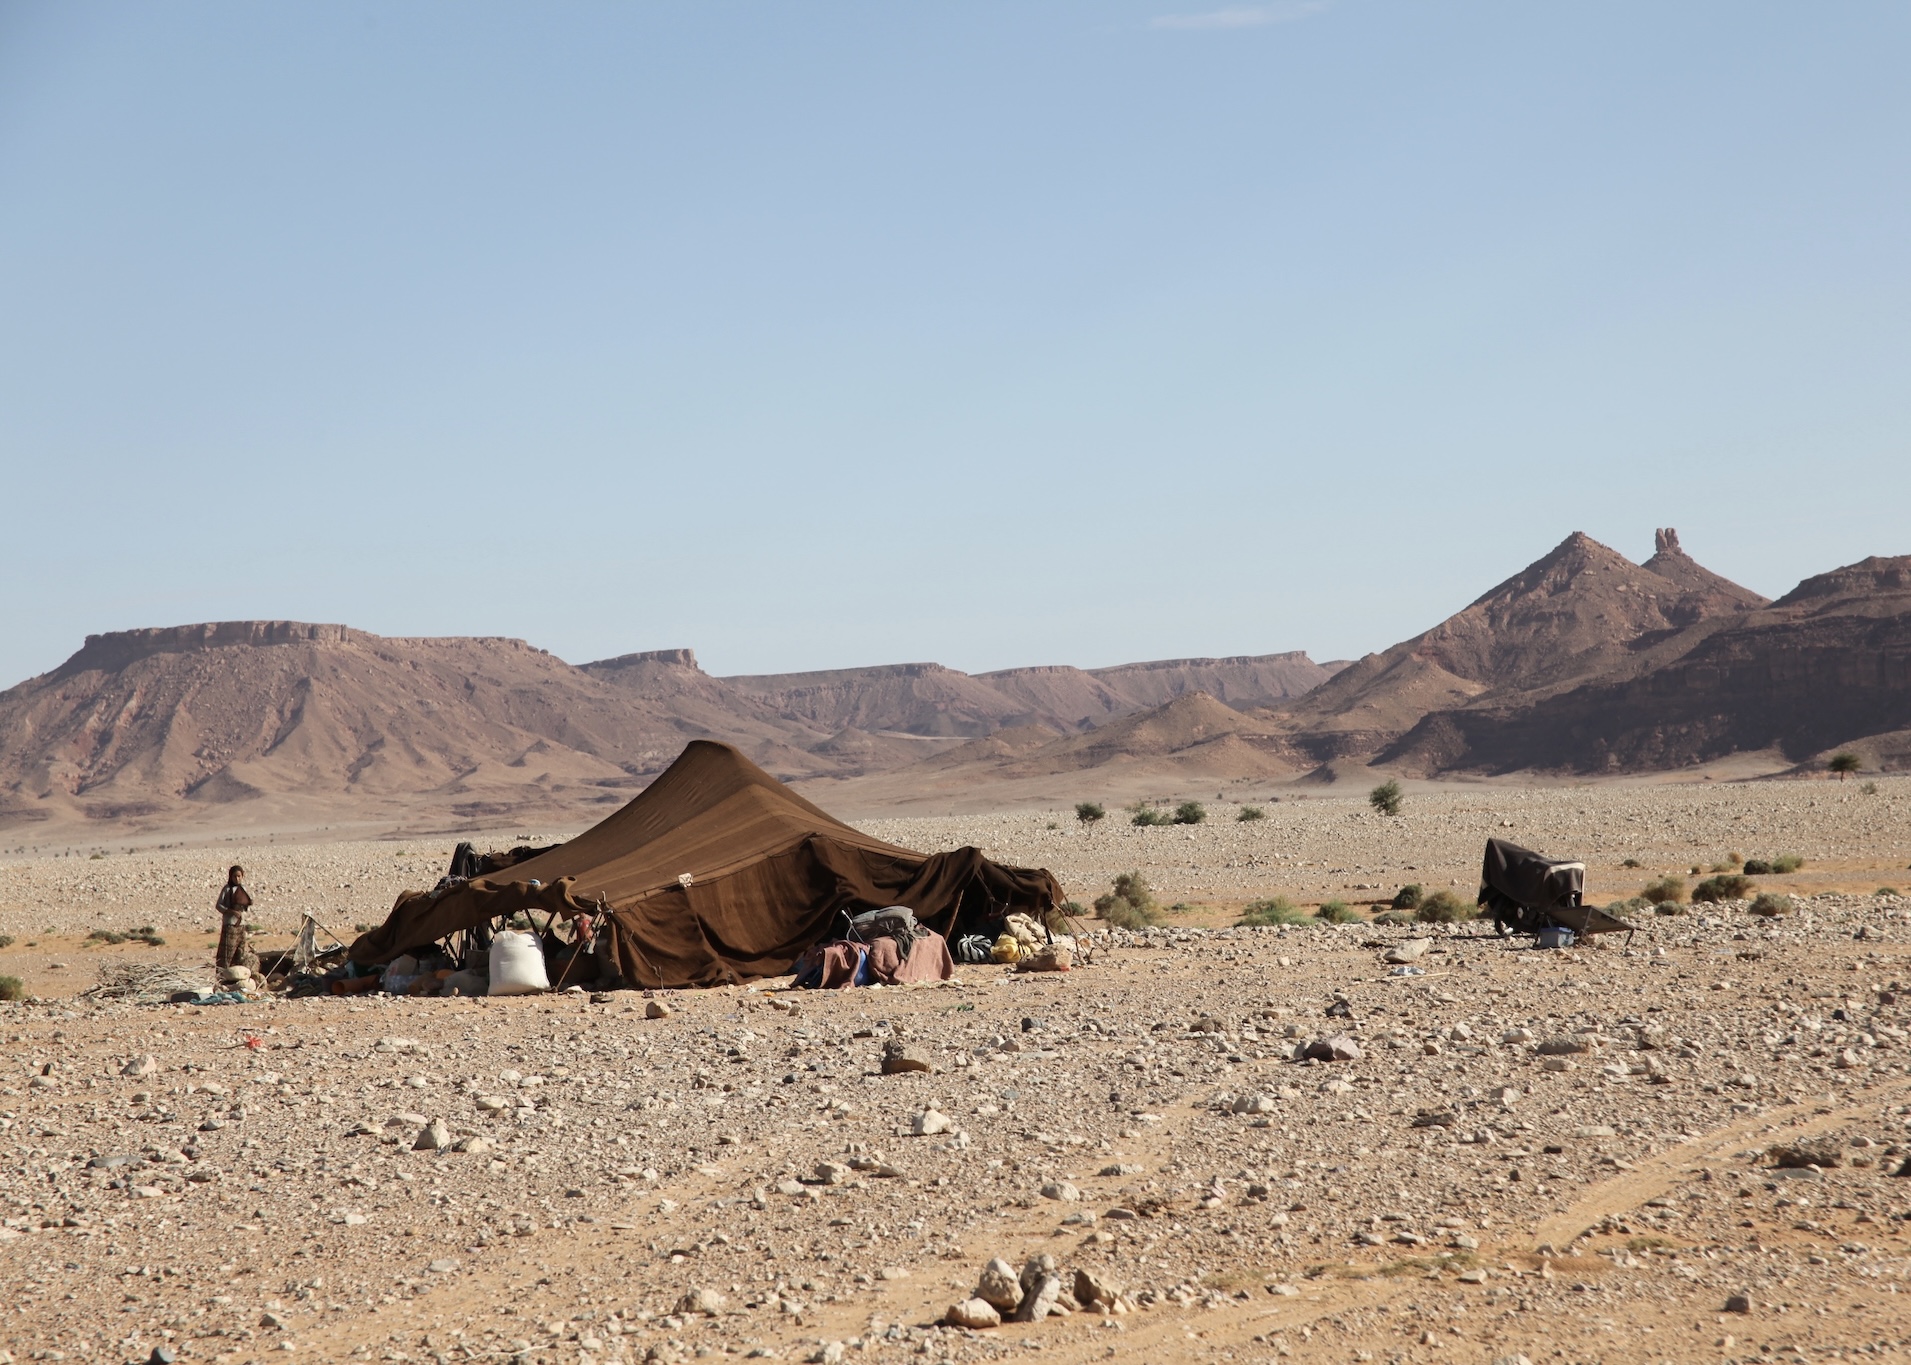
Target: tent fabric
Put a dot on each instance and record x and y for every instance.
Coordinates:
(718, 873)
(1526, 891)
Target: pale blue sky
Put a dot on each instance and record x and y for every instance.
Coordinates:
(1037, 331)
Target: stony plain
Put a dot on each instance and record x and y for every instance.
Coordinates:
(1557, 1155)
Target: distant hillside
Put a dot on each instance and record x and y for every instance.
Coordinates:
(1826, 666)
(1581, 612)
(302, 723)
(320, 718)
(1582, 661)
(928, 699)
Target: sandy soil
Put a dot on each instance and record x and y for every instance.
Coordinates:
(1468, 1189)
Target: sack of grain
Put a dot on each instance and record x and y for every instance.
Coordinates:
(517, 964)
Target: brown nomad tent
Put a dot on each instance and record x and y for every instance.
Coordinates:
(718, 873)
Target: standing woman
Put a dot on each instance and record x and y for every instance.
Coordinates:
(233, 903)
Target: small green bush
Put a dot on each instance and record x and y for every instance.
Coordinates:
(1665, 891)
(1757, 867)
(1336, 912)
(1248, 813)
(1124, 915)
(1190, 813)
(1730, 886)
(1131, 905)
(1869, 789)
(1887, 891)
(6, 940)
(1628, 906)
(1278, 910)
(1073, 909)
(1408, 897)
(1088, 812)
(1771, 905)
(1443, 907)
(105, 936)
(1630, 862)
(1387, 798)
(12, 988)
(1148, 816)
(1394, 918)
(1789, 862)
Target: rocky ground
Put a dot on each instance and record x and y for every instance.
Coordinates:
(1557, 1155)
(1574, 1156)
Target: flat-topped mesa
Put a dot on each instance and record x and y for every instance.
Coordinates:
(676, 658)
(112, 651)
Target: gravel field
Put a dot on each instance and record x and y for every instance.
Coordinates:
(1564, 1155)
(1557, 1155)
(1311, 849)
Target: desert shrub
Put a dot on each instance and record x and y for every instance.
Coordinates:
(1248, 813)
(1387, 797)
(1735, 859)
(12, 988)
(1887, 891)
(1630, 862)
(1123, 915)
(1148, 815)
(1665, 891)
(1190, 813)
(1277, 910)
(1408, 897)
(1844, 763)
(1730, 886)
(6, 940)
(1771, 905)
(1336, 912)
(1088, 812)
(105, 936)
(1789, 862)
(1443, 907)
(1394, 918)
(1628, 906)
(1073, 909)
(1757, 867)
(1131, 905)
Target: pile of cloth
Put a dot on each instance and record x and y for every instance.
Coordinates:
(887, 947)
(1024, 943)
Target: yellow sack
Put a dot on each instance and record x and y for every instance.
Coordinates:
(1006, 949)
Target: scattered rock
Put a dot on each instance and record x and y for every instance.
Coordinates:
(999, 1287)
(1823, 1153)
(930, 1122)
(900, 1057)
(1061, 1189)
(1092, 1290)
(974, 1313)
(433, 1137)
(140, 1066)
(702, 1302)
(1339, 1048)
(657, 1009)
(1739, 1303)
(1411, 951)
